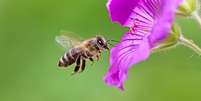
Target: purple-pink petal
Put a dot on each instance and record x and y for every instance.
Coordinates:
(120, 10)
(163, 25)
(149, 21)
(123, 56)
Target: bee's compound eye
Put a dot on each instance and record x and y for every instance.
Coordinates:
(100, 42)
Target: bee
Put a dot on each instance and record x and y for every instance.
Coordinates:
(81, 51)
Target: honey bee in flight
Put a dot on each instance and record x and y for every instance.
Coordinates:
(80, 51)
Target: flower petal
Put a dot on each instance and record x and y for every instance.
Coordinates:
(120, 10)
(149, 21)
(163, 24)
(131, 50)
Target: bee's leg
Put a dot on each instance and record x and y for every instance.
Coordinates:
(91, 59)
(83, 65)
(98, 56)
(77, 67)
(89, 56)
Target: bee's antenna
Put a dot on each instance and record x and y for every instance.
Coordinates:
(112, 41)
(111, 44)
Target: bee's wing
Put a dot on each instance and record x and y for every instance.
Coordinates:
(68, 40)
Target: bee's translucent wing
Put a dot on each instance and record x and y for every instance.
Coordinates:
(68, 40)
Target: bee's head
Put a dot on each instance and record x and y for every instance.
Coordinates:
(102, 43)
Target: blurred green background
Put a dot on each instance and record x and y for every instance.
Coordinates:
(29, 56)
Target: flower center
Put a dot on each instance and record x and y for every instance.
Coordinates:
(139, 27)
(134, 27)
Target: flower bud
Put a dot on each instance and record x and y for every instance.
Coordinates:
(187, 7)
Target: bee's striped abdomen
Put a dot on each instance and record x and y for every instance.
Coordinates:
(68, 59)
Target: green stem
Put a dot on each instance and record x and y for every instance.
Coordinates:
(163, 47)
(197, 17)
(189, 43)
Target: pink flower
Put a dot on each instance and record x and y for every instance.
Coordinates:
(149, 23)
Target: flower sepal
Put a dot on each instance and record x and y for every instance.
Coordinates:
(187, 8)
